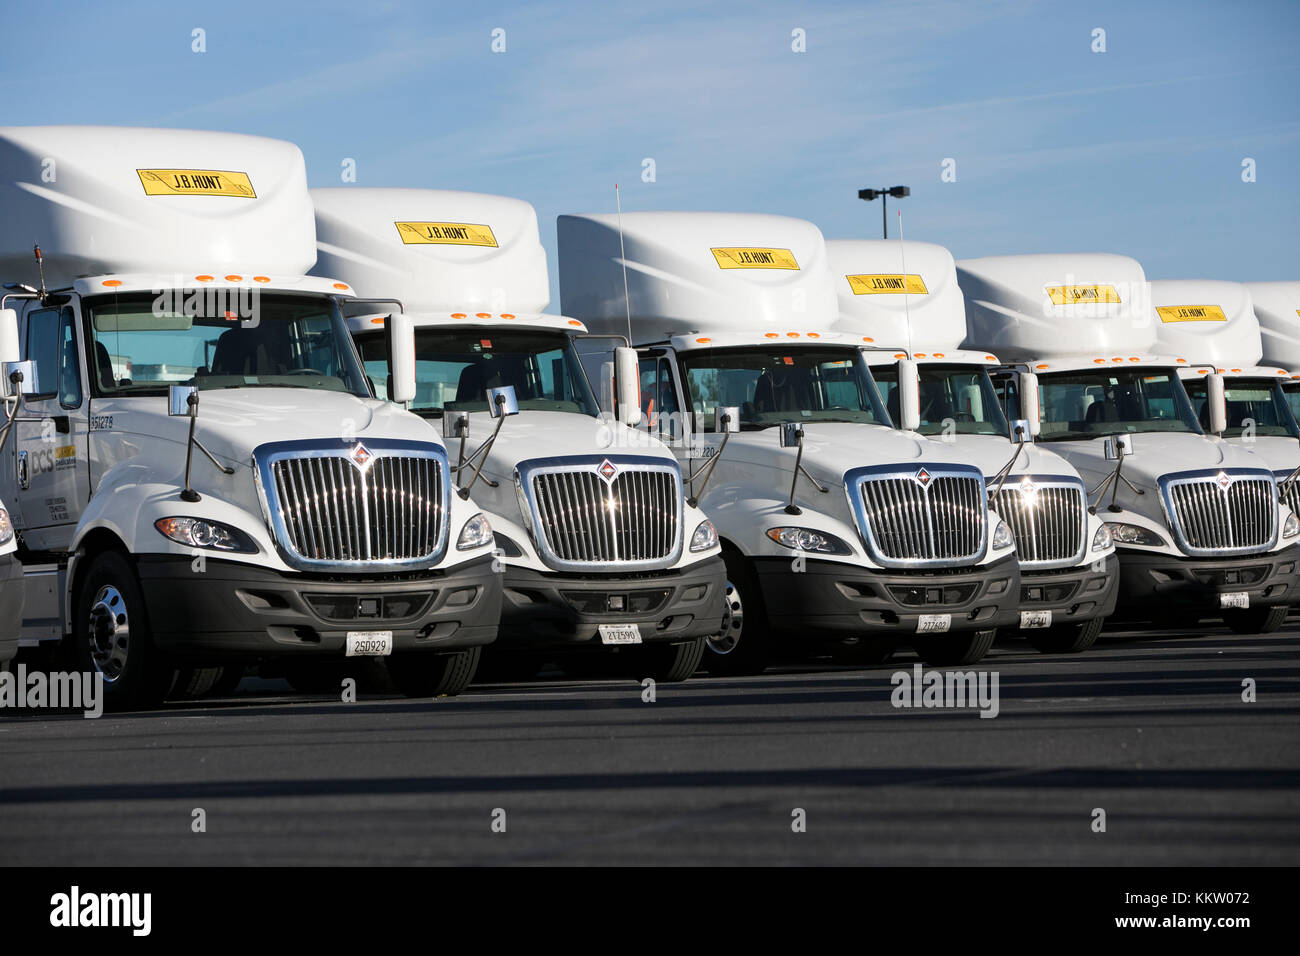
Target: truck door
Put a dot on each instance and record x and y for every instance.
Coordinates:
(50, 439)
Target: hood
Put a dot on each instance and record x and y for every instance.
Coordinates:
(990, 453)
(233, 422)
(1157, 454)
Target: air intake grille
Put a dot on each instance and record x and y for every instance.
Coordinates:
(608, 512)
(356, 508)
(1047, 519)
(1223, 511)
(926, 517)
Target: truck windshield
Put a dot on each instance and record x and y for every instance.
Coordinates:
(1104, 401)
(1252, 403)
(775, 385)
(145, 342)
(955, 399)
(454, 368)
(1291, 390)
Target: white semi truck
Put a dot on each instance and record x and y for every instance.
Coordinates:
(602, 553)
(1213, 322)
(196, 468)
(838, 530)
(904, 295)
(1277, 308)
(1197, 520)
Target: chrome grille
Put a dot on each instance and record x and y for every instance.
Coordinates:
(931, 516)
(329, 510)
(1223, 511)
(1048, 519)
(631, 516)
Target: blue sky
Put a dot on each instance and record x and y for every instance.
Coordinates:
(1137, 150)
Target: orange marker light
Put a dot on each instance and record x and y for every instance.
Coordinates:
(701, 341)
(867, 338)
(507, 315)
(900, 355)
(458, 315)
(482, 315)
(991, 358)
(792, 335)
(1099, 361)
(814, 335)
(574, 322)
(771, 335)
(234, 278)
(920, 355)
(377, 321)
(261, 278)
(112, 283)
(341, 285)
(203, 278)
(938, 355)
(1040, 366)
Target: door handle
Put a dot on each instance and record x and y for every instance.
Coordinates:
(24, 473)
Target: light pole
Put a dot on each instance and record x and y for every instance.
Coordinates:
(898, 192)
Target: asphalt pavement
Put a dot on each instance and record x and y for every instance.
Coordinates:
(805, 764)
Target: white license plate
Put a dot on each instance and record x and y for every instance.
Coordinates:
(370, 643)
(933, 623)
(620, 634)
(1235, 599)
(1030, 619)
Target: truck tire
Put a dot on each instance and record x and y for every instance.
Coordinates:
(433, 675)
(110, 633)
(191, 683)
(964, 647)
(1255, 620)
(864, 651)
(744, 645)
(1066, 638)
(670, 663)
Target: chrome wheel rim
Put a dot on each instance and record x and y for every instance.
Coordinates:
(733, 622)
(110, 633)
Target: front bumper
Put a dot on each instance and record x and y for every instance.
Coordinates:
(1153, 585)
(543, 610)
(1073, 595)
(847, 599)
(11, 606)
(238, 610)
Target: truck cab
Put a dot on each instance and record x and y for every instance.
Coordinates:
(1200, 531)
(904, 295)
(1277, 309)
(1213, 322)
(198, 473)
(839, 532)
(602, 554)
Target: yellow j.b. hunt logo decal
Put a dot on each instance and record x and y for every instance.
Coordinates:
(750, 258)
(196, 182)
(1076, 294)
(911, 283)
(1191, 313)
(445, 234)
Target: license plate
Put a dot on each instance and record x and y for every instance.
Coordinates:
(933, 623)
(370, 643)
(620, 634)
(1235, 599)
(1030, 619)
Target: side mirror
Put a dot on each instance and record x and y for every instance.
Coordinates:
(791, 434)
(627, 385)
(502, 402)
(455, 425)
(1027, 393)
(183, 400)
(909, 395)
(1216, 402)
(9, 349)
(726, 418)
(399, 342)
(1119, 446)
(25, 373)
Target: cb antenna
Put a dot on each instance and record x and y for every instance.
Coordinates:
(902, 257)
(622, 258)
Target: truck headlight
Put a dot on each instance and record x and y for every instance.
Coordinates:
(1134, 534)
(1002, 537)
(6, 527)
(209, 535)
(1102, 539)
(476, 534)
(806, 539)
(1290, 528)
(705, 536)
